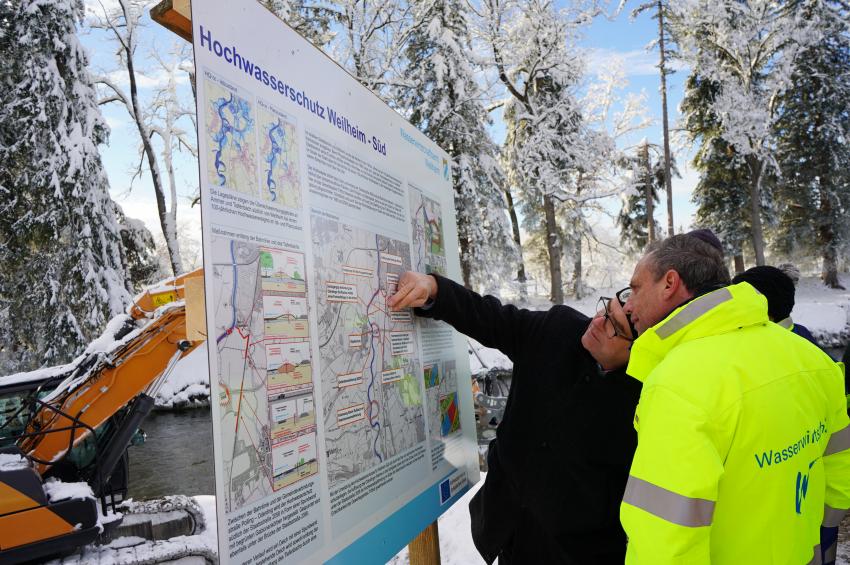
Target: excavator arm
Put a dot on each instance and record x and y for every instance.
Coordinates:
(125, 369)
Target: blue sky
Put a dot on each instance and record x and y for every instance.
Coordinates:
(627, 39)
(605, 39)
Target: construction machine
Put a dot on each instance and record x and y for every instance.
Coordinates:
(64, 431)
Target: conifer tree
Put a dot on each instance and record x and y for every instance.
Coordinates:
(445, 102)
(633, 218)
(813, 191)
(64, 272)
(722, 194)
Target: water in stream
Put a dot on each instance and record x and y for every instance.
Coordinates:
(176, 458)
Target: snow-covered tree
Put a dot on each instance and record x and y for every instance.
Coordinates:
(545, 143)
(312, 20)
(371, 40)
(722, 192)
(748, 50)
(646, 178)
(444, 100)
(813, 190)
(611, 118)
(143, 266)
(661, 14)
(64, 273)
(122, 23)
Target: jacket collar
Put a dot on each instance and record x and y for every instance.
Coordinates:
(721, 311)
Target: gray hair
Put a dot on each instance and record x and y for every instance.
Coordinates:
(700, 265)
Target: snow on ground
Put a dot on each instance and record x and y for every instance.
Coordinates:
(456, 547)
(183, 549)
(825, 311)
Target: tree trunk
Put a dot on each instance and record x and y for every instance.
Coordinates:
(578, 278)
(169, 231)
(830, 268)
(739, 264)
(647, 185)
(826, 240)
(520, 275)
(465, 267)
(553, 247)
(756, 166)
(668, 180)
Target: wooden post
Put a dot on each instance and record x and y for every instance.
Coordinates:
(424, 549)
(174, 15)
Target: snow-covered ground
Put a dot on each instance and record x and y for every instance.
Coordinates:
(196, 550)
(456, 547)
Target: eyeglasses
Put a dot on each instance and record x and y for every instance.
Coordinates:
(602, 307)
(623, 295)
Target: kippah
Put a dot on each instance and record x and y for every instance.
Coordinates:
(707, 236)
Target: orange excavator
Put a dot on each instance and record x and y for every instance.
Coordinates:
(67, 425)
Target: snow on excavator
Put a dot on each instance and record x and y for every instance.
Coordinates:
(64, 431)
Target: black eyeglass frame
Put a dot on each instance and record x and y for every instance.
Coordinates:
(605, 301)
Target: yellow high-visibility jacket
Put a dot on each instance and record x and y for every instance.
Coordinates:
(743, 439)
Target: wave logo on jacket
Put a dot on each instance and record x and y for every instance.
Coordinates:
(802, 488)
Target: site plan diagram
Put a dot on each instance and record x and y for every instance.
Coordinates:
(441, 390)
(265, 381)
(429, 251)
(372, 400)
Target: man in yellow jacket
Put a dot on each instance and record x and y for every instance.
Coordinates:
(742, 426)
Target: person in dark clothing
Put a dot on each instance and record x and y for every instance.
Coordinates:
(778, 287)
(560, 461)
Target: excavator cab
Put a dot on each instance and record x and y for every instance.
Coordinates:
(64, 431)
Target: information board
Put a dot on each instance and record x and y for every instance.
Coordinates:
(341, 428)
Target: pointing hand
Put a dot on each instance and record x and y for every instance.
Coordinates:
(414, 290)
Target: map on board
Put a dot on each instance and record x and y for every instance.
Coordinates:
(265, 380)
(372, 399)
(441, 391)
(230, 138)
(429, 252)
(280, 182)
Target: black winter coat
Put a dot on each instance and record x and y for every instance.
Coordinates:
(559, 464)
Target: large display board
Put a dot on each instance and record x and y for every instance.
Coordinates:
(341, 428)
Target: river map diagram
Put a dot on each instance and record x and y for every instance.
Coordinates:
(372, 397)
(230, 139)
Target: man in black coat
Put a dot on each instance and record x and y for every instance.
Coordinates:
(560, 461)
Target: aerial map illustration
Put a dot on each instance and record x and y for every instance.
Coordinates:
(280, 180)
(372, 398)
(230, 139)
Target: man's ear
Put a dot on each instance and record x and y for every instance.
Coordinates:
(672, 284)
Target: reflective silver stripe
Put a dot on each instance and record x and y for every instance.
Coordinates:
(832, 516)
(693, 311)
(787, 323)
(675, 508)
(839, 441)
(816, 560)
